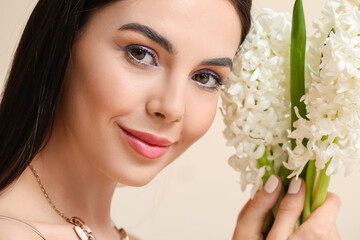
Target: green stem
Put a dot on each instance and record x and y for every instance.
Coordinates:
(269, 170)
(268, 164)
(310, 180)
(297, 63)
(298, 223)
(321, 188)
(283, 174)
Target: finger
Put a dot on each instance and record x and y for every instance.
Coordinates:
(250, 221)
(326, 214)
(334, 234)
(244, 209)
(321, 223)
(289, 211)
(312, 233)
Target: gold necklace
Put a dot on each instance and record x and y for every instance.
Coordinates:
(83, 232)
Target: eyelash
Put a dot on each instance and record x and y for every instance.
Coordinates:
(217, 78)
(127, 50)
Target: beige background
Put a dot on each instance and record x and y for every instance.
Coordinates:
(198, 196)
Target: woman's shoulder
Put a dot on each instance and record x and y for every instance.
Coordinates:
(13, 212)
(15, 229)
(23, 217)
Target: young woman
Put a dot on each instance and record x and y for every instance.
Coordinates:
(102, 92)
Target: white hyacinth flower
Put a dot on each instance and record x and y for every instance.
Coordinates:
(256, 101)
(332, 15)
(333, 99)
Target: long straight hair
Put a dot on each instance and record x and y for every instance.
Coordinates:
(33, 87)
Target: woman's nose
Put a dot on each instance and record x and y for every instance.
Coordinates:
(169, 103)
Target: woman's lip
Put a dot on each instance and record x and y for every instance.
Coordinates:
(149, 138)
(145, 144)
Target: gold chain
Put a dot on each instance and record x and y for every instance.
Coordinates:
(79, 225)
(47, 195)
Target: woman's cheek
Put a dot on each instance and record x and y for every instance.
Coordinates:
(200, 114)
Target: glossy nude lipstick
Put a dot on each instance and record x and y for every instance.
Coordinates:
(146, 144)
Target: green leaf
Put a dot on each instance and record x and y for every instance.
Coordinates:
(297, 63)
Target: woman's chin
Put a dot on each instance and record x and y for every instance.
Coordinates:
(136, 182)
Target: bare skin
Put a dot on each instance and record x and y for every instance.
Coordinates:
(320, 225)
(159, 90)
(107, 90)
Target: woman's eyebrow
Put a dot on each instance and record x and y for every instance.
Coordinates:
(227, 62)
(150, 33)
(166, 44)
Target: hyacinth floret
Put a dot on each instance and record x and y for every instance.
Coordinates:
(256, 102)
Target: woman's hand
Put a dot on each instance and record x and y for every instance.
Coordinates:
(320, 225)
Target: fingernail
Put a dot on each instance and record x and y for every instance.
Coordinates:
(271, 184)
(294, 186)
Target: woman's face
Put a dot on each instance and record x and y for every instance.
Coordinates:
(142, 83)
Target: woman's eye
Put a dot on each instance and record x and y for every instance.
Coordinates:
(141, 55)
(207, 79)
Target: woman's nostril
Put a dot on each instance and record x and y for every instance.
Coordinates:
(160, 115)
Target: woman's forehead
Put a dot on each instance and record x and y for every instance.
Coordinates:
(212, 22)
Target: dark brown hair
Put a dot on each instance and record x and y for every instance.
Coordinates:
(34, 83)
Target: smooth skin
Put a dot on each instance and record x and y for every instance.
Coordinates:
(169, 91)
(319, 226)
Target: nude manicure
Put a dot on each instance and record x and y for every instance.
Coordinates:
(294, 186)
(271, 184)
